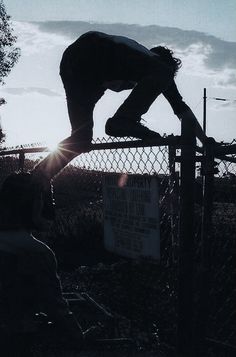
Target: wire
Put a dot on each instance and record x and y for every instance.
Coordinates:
(223, 99)
(197, 104)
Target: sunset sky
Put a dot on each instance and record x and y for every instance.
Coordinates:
(202, 33)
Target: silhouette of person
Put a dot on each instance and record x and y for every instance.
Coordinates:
(98, 61)
(30, 283)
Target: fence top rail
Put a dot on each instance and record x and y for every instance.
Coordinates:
(226, 149)
(221, 152)
(24, 150)
(168, 141)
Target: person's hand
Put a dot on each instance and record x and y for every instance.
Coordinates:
(211, 141)
(189, 115)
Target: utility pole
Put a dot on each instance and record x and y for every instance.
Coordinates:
(204, 110)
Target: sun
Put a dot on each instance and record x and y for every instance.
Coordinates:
(52, 145)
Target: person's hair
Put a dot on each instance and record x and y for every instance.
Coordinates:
(17, 196)
(167, 56)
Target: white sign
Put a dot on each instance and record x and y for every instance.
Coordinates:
(131, 215)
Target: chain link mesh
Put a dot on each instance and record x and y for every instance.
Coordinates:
(144, 292)
(222, 314)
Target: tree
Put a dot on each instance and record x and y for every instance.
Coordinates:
(9, 54)
(2, 136)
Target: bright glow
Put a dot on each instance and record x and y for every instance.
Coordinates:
(52, 145)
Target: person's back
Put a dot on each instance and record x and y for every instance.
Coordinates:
(29, 281)
(106, 57)
(33, 261)
(19, 298)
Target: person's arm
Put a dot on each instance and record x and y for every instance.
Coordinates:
(182, 110)
(51, 298)
(49, 283)
(189, 115)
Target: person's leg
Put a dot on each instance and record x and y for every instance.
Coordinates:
(81, 99)
(81, 119)
(143, 95)
(67, 150)
(126, 121)
(78, 142)
(81, 95)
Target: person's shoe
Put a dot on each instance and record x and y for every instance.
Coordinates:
(119, 127)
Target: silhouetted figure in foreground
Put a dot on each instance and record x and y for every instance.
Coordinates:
(28, 278)
(96, 62)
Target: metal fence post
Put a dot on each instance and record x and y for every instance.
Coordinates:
(186, 241)
(208, 171)
(21, 161)
(174, 203)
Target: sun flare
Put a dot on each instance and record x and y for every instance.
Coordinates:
(52, 145)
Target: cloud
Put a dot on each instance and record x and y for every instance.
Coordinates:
(32, 40)
(31, 90)
(201, 53)
(195, 58)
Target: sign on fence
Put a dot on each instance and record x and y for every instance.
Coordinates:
(131, 215)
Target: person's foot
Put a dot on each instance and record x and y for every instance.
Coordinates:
(80, 141)
(120, 127)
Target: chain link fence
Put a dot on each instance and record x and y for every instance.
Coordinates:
(144, 292)
(221, 328)
(141, 291)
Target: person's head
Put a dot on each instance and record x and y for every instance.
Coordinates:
(166, 56)
(23, 203)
